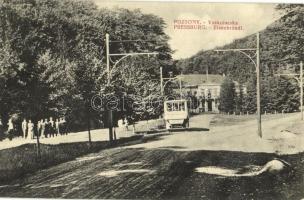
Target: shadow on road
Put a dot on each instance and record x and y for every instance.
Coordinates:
(198, 185)
(188, 129)
(162, 173)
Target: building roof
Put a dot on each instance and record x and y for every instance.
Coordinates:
(199, 79)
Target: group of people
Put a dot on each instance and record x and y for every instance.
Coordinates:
(45, 128)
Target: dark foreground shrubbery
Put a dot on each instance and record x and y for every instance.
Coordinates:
(18, 161)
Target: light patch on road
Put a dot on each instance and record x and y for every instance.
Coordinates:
(5, 186)
(251, 170)
(113, 173)
(86, 158)
(216, 171)
(128, 164)
(58, 185)
(47, 185)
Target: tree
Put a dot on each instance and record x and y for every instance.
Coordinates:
(239, 101)
(287, 99)
(11, 97)
(281, 45)
(57, 57)
(227, 96)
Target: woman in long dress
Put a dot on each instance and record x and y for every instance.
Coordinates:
(30, 129)
(24, 128)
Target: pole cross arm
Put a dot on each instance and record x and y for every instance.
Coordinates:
(170, 80)
(293, 76)
(132, 54)
(243, 51)
(249, 49)
(299, 78)
(125, 55)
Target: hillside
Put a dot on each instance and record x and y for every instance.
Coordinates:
(281, 44)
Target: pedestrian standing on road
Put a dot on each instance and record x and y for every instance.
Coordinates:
(42, 124)
(52, 127)
(57, 127)
(30, 130)
(10, 129)
(47, 128)
(24, 128)
(126, 124)
(120, 123)
(63, 126)
(39, 128)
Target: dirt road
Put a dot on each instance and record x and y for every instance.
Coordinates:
(167, 168)
(238, 137)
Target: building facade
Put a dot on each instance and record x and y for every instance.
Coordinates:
(206, 88)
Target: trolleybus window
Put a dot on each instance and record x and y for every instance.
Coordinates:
(176, 106)
(169, 107)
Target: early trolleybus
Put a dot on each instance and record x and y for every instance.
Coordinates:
(176, 114)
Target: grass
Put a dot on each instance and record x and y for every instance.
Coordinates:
(19, 161)
(230, 120)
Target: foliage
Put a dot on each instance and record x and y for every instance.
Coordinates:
(279, 94)
(227, 96)
(281, 45)
(53, 58)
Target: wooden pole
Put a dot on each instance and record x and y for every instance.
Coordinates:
(161, 81)
(38, 147)
(108, 84)
(180, 87)
(258, 86)
(301, 88)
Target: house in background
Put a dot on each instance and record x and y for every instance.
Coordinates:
(206, 87)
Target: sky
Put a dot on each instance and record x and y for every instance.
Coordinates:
(187, 42)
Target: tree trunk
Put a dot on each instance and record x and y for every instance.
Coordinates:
(89, 127)
(110, 125)
(38, 147)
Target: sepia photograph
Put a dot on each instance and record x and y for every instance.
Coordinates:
(118, 99)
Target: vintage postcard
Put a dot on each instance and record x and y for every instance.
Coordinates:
(151, 100)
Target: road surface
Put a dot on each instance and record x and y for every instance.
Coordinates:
(96, 135)
(168, 167)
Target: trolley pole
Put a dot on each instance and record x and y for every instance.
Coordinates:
(180, 87)
(258, 86)
(301, 88)
(161, 81)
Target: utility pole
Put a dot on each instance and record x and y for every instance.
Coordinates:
(108, 58)
(207, 72)
(257, 68)
(258, 85)
(161, 82)
(110, 114)
(301, 88)
(180, 87)
(109, 70)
